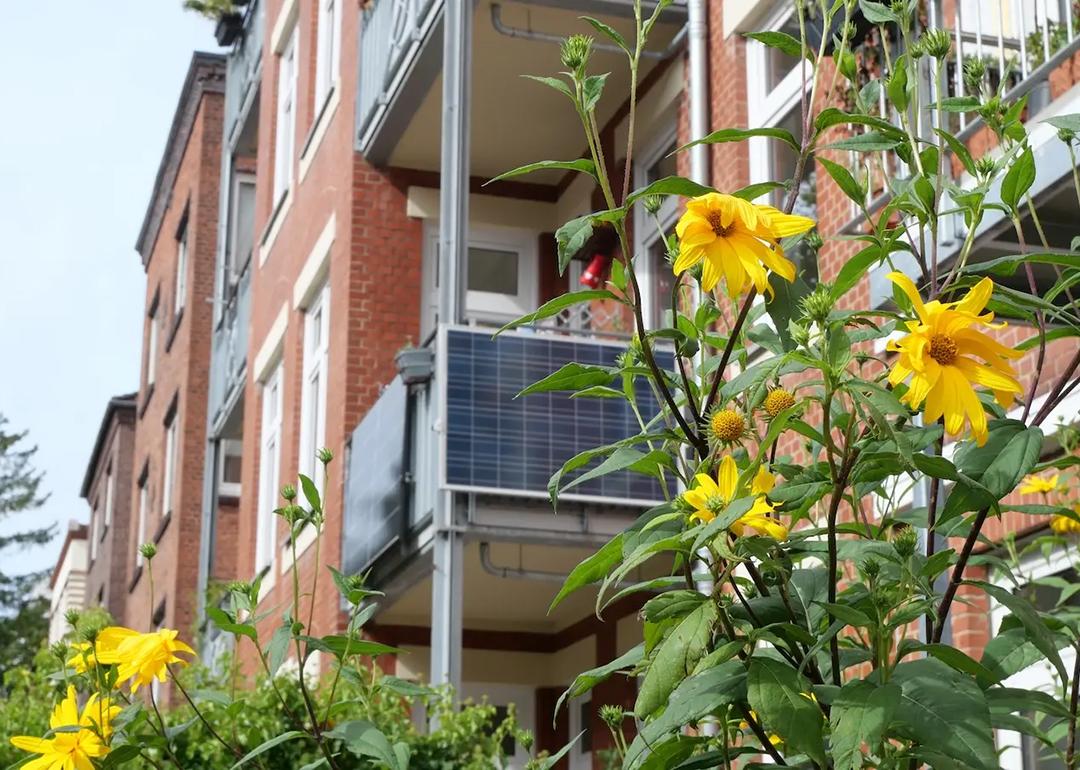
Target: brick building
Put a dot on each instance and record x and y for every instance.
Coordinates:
(67, 583)
(177, 245)
(105, 488)
(328, 198)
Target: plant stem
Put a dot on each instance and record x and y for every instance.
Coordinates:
(729, 346)
(214, 733)
(958, 574)
(1074, 697)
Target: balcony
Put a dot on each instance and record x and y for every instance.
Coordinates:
(228, 350)
(244, 72)
(488, 444)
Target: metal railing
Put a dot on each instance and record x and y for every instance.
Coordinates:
(244, 68)
(391, 33)
(228, 354)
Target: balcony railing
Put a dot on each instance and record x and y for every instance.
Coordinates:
(489, 441)
(244, 68)
(391, 35)
(228, 352)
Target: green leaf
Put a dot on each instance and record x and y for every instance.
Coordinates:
(559, 85)
(626, 458)
(221, 619)
(959, 660)
(871, 141)
(1018, 179)
(675, 658)
(591, 90)
(1008, 265)
(859, 716)
(781, 41)
(897, 85)
(741, 134)
(960, 104)
(878, 13)
(571, 237)
(942, 708)
(572, 376)
(1016, 699)
(669, 185)
(272, 743)
(936, 467)
(278, 647)
(849, 615)
(784, 304)
(311, 493)
(341, 645)
(780, 696)
(1068, 122)
(959, 149)
(844, 180)
(549, 762)
(607, 31)
(1009, 652)
(1030, 619)
(831, 116)
(555, 306)
(592, 569)
(584, 165)
(587, 680)
(752, 191)
(854, 269)
(364, 739)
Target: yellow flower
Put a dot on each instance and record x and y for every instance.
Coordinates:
(937, 354)
(737, 240)
(710, 497)
(726, 426)
(1063, 525)
(72, 749)
(777, 401)
(141, 657)
(1035, 485)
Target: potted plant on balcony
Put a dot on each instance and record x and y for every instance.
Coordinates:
(229, 21)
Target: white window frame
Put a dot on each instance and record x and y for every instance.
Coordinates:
(110, 492)
(269, 469)
(579, 759)
(234, 265)
(228, 488)
(483, 306)
(144, 506)
(645, 233)
(1041, 675)
(313, 390)
(180, 295)
(169, 471)
(328, 50)
(152, 346)
(95, 531)
(285, 116)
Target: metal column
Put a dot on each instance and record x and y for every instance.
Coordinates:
(447, 583)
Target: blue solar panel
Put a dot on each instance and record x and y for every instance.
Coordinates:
(497, 442)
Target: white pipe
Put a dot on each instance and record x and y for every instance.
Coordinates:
(697, 26)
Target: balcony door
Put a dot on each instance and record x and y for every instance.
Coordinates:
(502, 275)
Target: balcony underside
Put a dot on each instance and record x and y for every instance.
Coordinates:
(407, 131)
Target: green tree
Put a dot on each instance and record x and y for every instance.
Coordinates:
(23, 611)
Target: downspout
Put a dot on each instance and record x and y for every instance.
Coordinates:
(697, 32)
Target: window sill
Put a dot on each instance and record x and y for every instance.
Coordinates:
(268, 578)
(273, 227)
(162, 526)
(175, 328)
(319, 128)
(146, 400)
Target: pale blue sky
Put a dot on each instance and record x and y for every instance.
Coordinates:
(88, 91)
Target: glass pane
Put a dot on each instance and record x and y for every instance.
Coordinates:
(663, 279)
(586, 722)
(230, 469)
(494, 271)
(777, 63)
(664, 167)
(782, 168)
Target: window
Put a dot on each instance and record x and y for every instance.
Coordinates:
(144, 506)
(285, 130)
(181, 267)
(241, 236)
(171, 448)
(229, 466)
(269, 469)
(151, 344)
(95, 530)
(656, 277)
(326, 57)
(313, 405)
(110, 490)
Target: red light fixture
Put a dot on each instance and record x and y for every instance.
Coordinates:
(594, 275)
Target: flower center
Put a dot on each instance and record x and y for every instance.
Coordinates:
(718, 227)
(715, 504)
(942, 349)
(727, 425)
(777, 401)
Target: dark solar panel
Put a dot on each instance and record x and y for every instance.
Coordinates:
(497, 442)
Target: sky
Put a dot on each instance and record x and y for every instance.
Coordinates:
(88, 93)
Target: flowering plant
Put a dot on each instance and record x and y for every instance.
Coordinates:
(834, 470)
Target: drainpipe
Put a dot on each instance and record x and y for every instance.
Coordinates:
(697, 31)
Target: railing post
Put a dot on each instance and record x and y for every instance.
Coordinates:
(447, 578)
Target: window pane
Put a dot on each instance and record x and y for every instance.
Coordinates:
(663, 279)
(230, 469)
(664, 167)
(777, 63)
(493, 271)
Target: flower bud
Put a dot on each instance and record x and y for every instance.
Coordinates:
(906, 541)
(870, 569)
(325, 456)
(974, 72)
(59, 650)
(652, 203)
(72, 618)
(288, 492)
(525, 738)
(576, 51)
(238, 587)
(817, 305)
(148, 551)
(1066, 135)
(612, 716)
(936, 43)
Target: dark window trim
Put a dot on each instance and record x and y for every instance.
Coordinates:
(162, 526)
(135, 578)
(146, 400)
(159, 613)
(171, 336)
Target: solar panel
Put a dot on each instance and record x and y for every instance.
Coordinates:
(374, 502)
(499, 443)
